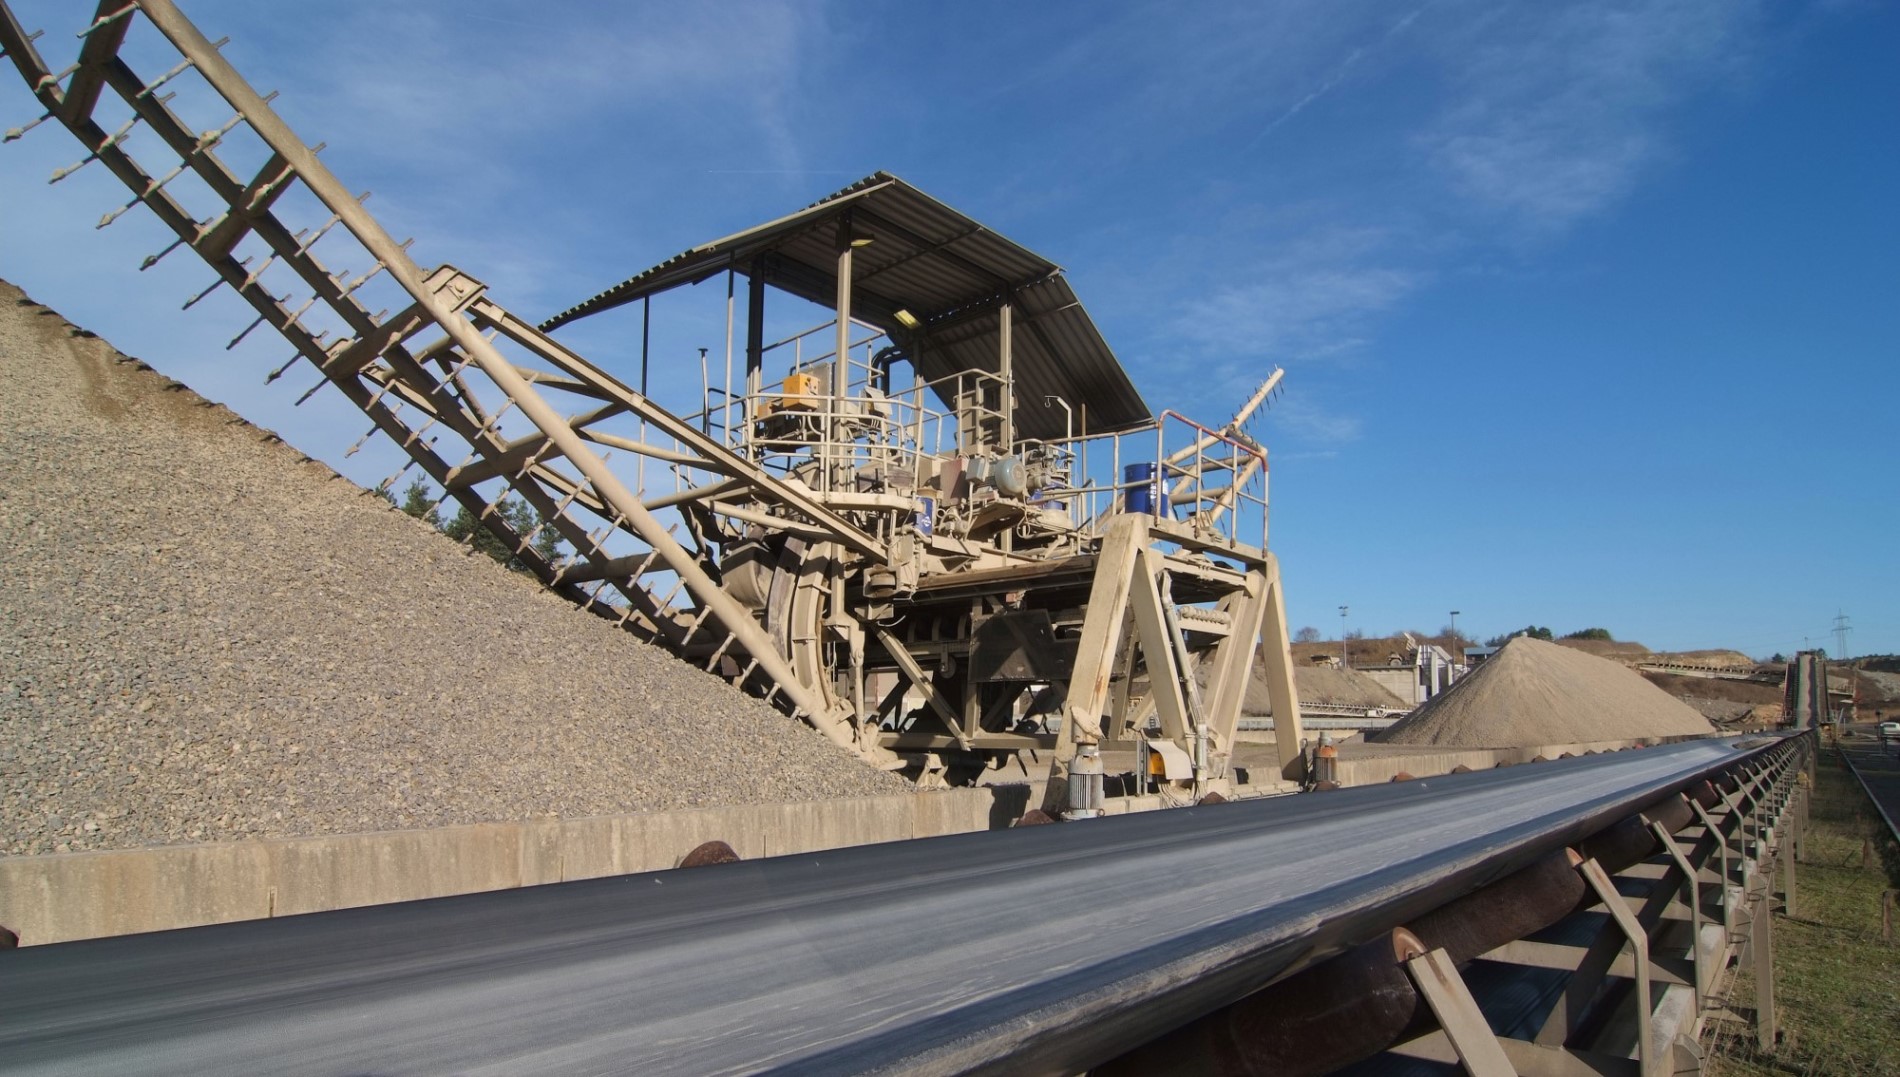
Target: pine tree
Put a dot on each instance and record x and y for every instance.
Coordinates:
(521, 517)
(418, 502)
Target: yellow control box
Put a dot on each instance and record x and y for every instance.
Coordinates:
(799, 393)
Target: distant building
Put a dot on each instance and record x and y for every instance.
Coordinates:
(1416, 673)
(1475, 655)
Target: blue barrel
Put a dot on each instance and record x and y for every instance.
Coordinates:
(926, 517)
(1142, 491)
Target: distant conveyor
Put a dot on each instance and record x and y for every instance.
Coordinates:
(888, 958)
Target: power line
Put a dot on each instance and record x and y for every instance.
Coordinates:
(1841, 629)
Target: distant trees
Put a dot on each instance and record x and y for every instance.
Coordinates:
(1533, 631)
(1454, 641)
(418, 500)
(1540, 632)
(1309, 634)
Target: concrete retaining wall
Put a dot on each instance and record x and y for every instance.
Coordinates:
(88, 895)
(69, 896)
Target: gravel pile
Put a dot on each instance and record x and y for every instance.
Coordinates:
(1625, 651)
(1321, 684)
(1532, 693)
(209, 637)
(1732, 715)
(1718, 659)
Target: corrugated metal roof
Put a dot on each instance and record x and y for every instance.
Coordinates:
(944, 269)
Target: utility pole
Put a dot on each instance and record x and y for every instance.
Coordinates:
(1841, 629)
(1345, 660)
(1454, 635)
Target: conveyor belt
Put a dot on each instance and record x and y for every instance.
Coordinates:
(1039, 950)
(1877, 767)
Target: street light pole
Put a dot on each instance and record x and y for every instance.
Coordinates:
(1455, 649)
(1345, 660)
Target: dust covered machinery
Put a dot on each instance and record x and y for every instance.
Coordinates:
(941, 526)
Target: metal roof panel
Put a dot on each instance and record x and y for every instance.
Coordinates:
(939, 266)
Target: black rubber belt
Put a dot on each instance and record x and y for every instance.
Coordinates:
(1040, 950)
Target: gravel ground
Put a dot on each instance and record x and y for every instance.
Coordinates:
(209, 637)
(1532, 693)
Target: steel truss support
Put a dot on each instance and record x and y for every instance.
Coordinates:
(1133, 620)
(1661, 942)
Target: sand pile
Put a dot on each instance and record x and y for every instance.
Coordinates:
(1533, 693)
(209, 637)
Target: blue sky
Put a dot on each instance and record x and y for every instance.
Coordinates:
(1588, 310)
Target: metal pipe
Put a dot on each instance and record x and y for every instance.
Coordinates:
(1006, 367)
(1068, 416)
(725, 422)
(841, 354)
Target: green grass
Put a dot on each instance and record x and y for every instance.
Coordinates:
(1837, 985)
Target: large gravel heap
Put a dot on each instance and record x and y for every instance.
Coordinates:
(1533, 693)
(1320, 684)
(209, 637)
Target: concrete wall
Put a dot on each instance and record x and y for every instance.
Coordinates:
(1426, 762)
(88, 895)
(68, 896)
(1400, 681)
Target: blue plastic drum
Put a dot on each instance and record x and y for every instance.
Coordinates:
(1142, 492)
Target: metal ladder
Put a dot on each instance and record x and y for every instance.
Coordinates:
(433, 376)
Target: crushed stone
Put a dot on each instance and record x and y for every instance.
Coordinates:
(209, 637)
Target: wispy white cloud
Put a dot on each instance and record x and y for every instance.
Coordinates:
(1311, 298)
(1339, 73)
(484, 132)
(1310, 423)
(1296, 312)
(1518, 122)
(1555, 113)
